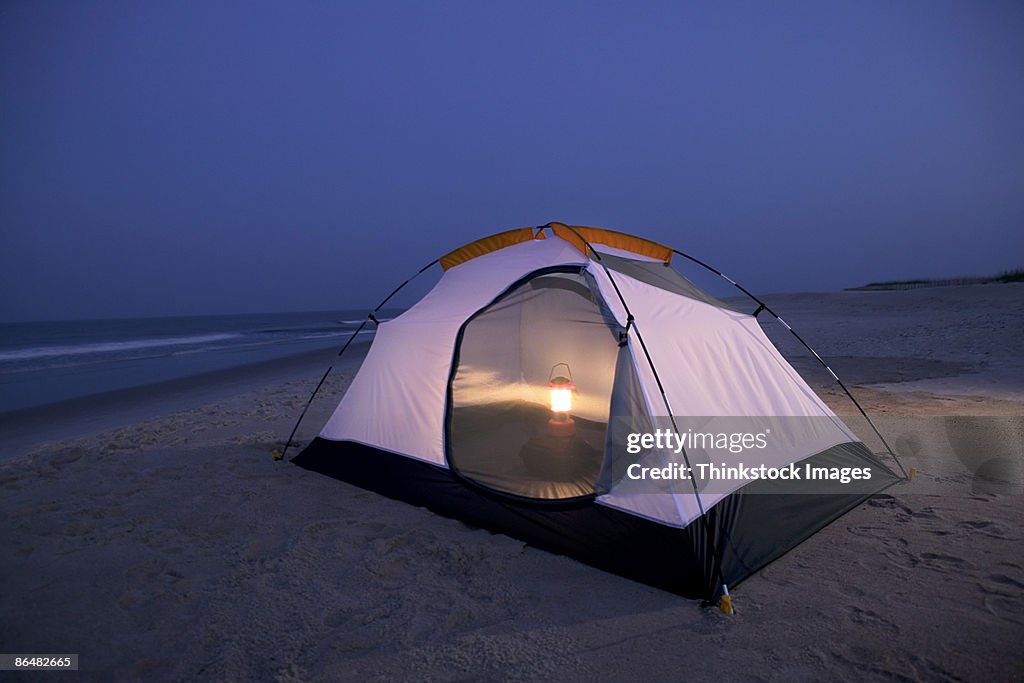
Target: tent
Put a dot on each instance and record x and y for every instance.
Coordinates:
(509, 394)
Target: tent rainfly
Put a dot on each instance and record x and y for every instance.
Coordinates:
(505, 395)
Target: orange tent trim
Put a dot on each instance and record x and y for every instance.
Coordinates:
(486, 245)
(610, 238)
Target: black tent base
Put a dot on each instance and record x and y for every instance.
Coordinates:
(750, 530)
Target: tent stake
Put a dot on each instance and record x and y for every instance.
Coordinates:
(725, 603)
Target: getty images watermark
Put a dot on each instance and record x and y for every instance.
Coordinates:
(733, 443)
(953, 455)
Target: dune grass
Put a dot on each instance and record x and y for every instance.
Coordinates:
(1015, 275)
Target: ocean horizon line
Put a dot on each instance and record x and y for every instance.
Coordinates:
(189, 316)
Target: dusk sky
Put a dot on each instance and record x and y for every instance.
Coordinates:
(162, 158)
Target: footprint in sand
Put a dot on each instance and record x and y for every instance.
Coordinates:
(877, 532)
(990, 529)
(850, 591)
(883, 500)
(901, 558)
(978, 524)
(1004, 608)
(173, 575)
(66, 457)
(925, 513)
(947, 563)
(1001, 584)
(871, 618)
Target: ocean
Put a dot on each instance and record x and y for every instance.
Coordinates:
(45, 362)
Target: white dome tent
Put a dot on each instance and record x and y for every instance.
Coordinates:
(506, 395)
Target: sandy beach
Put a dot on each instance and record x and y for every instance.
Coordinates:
(152, 533)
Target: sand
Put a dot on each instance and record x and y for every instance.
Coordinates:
(175, 548)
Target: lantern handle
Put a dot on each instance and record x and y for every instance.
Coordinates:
(567, 369)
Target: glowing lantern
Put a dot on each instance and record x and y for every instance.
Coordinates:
(561, 394)
(561, 389)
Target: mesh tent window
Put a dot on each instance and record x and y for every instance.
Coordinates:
(500, 434)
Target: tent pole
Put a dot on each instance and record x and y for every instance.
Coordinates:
(726, 603)
(764, 306)
(371, 316)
